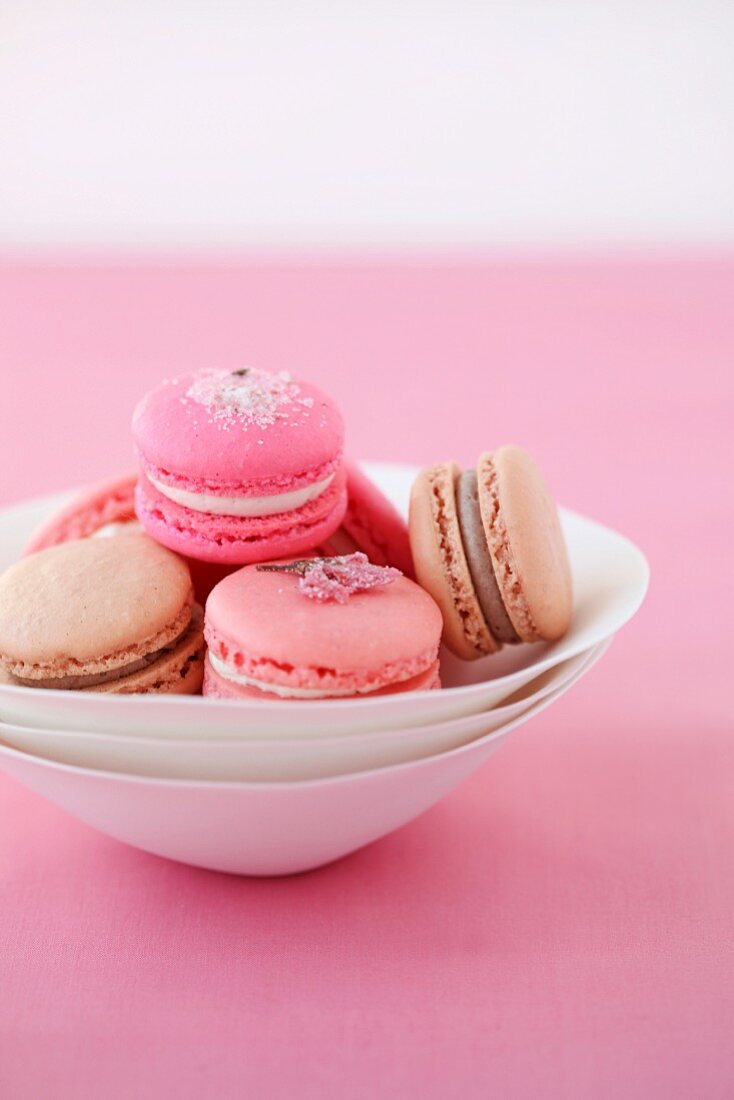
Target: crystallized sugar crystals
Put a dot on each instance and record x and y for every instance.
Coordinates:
(248, 397)
(336, 578)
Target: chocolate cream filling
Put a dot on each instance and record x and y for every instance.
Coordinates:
(69, 683)
(479, 559)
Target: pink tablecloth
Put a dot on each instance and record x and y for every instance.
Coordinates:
(562, 925)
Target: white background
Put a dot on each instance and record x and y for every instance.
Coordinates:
(409, 122)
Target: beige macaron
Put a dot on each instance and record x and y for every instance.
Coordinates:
(113, 615)
(487, 544)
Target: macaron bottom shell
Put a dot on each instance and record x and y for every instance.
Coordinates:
(219, 687)
(441, 564)
(238, 540)
(177, 670)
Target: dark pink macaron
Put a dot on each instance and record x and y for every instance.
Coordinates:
(239, 466)
(100, 509)
(371, 524)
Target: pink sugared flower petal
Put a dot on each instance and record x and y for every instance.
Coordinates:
(339, 578)
(336, 578)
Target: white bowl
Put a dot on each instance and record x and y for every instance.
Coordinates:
(278, 759)
(610, 579)
(257, 828)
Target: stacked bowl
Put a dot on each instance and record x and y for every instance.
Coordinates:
(273, 787)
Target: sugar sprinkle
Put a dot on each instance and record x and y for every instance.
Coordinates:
(248, 397)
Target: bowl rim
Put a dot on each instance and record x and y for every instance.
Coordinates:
(288, 709)
(126, 778)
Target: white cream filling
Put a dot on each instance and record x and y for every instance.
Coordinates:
(228, 673)
(117, 527)
(243, 506)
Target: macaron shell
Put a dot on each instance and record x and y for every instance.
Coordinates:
(218, 687)
(90, 606)
(187, 443)
(178, 671)
(110, 501)
(526, 543)
(440, 561)
(261, 623)
(240, 540)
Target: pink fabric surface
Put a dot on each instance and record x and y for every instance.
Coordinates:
(561, 925)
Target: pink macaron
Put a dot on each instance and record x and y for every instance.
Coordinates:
(239, 466)
(318, 629)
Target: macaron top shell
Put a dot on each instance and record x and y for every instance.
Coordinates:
(526, 543)
(261, 622)
(246, 432)
(91, 605)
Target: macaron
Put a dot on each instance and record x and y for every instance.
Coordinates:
(320, 628)
(371, 524)
(239, 466)
(488, 545)
(105, 509)
(113, 615)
